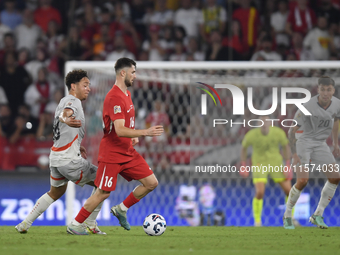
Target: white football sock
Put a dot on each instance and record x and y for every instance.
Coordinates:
(123, 207)
(327, 194)
(93, 216)
(293, 197)
(42, 204)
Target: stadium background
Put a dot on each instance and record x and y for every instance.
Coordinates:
(24, 172)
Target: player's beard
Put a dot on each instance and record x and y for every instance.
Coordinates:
(127, 82)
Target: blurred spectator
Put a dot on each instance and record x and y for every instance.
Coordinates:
(39, 94)
(213, 17)
(7, 124)
(149, 15)
(102, 41)
(319, 41)
(155, 46)
(40, 60)
(327, 10)
(216, 51)
(85, 4)
(236, 41)
(26, 122)
(278, 22)
(179, 54)
(15, 127)
(267, 52)
(120, 50)
(128, 31)
(74, 47)
(15, 80)
(180, 34)
(336, 39)
(158, 117)
(53, 38)
(45, 13)
(168, 38)
(163, 16)
(46, 119)
(9, 46)
(10, 16)
(23, 56)
(194, 49)
(3, 30)
(27, 33)
(88, 29)
(248, 16)
(112, 5)
(297, 48)
(188, 17)
(143, 56)
(300, 19)
(137, 14)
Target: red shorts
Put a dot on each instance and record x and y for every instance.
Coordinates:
(107, 173)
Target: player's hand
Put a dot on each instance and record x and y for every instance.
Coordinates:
(83, 152)
(134, 141)
(155, 131)
(288, 174)
(336, 151)
(296, 160)
(72, 122)
(243, 172)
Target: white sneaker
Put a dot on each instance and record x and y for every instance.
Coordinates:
(93, 229)
(76, 230)
(22, 227)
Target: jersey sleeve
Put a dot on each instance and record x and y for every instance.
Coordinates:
(116, 109)
(299, 118)
(282, 137)
(247, 140)
(74, 105)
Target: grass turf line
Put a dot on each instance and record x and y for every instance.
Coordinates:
(176, 240)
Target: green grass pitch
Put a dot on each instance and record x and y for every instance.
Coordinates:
(176, 240)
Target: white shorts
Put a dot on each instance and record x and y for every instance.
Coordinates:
(79, 171)
(316, 152)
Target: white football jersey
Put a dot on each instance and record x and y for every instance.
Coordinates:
(319, 125)
(67, 140)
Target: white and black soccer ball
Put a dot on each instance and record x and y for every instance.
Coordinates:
(154, 224)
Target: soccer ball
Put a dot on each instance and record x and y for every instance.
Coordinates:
(154, 224)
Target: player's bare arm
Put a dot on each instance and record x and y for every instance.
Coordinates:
(292, 144)
(335, 133)
(66, 117)
(244, 154)
(286, 152)
(123, 131)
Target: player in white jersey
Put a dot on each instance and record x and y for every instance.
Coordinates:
(67, 157)
(311, 147)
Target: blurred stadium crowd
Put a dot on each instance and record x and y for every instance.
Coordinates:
(38, 36)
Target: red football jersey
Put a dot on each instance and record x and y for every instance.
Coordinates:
(114, 149)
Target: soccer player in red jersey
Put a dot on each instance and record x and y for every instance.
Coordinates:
(116, 152)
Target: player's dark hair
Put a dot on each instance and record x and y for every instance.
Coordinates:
(326, 80)
(74, 77)
(123, 63)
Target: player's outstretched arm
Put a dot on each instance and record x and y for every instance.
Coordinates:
(292, 143)
(243, 171)
(123, 131)
(335, 133)
(66, 117)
